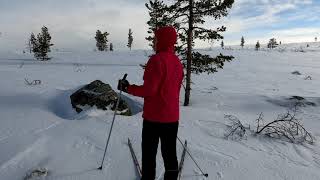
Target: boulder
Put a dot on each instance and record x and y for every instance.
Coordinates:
(100, 95)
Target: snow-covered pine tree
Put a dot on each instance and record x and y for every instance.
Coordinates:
(242, 42)
(257, 46)
(188, 17)
(102, 40)
(222, 44)
(41, 45)
(130, 39)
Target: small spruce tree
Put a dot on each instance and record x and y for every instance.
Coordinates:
(159, 16)
(130, 39)
(242, 42)
(102, 40)
(257, 46)
(111, 47)
(272, 43)
(31, 41)
(41, 45)
(222, 44)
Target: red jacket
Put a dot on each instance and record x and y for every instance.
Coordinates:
(162, 80)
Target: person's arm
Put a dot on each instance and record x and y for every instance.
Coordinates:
(152, 78)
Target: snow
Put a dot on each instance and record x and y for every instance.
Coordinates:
(39, 128)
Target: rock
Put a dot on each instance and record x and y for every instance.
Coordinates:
(37, 174)
(301, 101)
(100, 95)
(299, 98)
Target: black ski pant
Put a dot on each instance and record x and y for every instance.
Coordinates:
(167, 133)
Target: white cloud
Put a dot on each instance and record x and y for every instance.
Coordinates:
(75, 26)
(73, 23)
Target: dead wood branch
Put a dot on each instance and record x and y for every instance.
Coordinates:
(285, 126)
(32, 83)
(236, 131)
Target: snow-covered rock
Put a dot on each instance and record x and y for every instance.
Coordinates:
(100, 95)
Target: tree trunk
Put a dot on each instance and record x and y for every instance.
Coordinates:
(189, 55)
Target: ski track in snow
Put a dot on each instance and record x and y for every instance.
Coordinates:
(34, 150)
(34, 132)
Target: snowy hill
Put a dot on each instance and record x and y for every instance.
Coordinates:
(39, 128)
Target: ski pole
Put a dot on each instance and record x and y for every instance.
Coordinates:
(114, 117)
(202, 173)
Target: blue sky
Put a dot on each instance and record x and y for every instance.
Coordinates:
(73, 23)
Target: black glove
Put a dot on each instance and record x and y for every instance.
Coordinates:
(123, 85)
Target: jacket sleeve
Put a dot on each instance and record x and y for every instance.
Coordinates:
(152, 79)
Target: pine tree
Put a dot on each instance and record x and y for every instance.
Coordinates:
(242, 42)
(222, 44)
(130, 39)
(41, 45)
(31, 43)
(188, 16)
(258, 46)
(272, 43)
(102, 40)
(159, 16)
(111, 47)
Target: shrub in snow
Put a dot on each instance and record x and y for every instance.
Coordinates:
(308, 78)
(32, 83)
(236, 131)
(299, 50)
(286, 127)
(296, 73)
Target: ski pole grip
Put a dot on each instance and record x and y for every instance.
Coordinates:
(125, 76)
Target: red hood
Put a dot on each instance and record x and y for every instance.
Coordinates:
(166, 38)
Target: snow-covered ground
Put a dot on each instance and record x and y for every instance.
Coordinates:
(39, 128)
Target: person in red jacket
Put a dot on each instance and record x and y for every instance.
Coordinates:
(161, 89)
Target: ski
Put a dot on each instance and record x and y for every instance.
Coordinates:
(182, 160)
(135, 160)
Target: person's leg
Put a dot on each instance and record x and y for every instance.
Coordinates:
(168, 137)
(150, 140)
